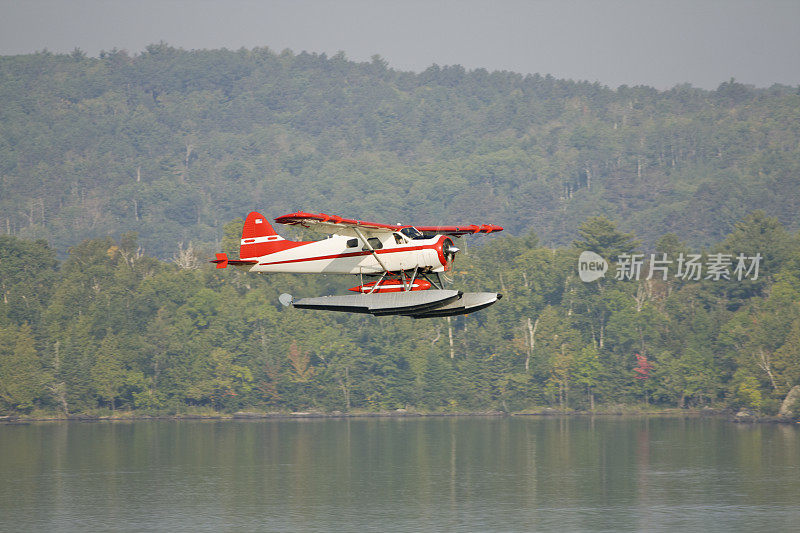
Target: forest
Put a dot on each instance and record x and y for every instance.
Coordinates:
(112, 329)
(121, 175)
(172, 144)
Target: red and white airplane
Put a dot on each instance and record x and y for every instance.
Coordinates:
(407, 261)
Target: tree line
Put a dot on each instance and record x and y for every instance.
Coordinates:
(109, 328)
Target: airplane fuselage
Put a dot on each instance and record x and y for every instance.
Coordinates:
(342, 254)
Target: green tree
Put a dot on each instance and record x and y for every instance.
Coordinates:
(600, 235)
(22, 378)
(586, 371)
(220, 381)
(27, 270)
(108, 373)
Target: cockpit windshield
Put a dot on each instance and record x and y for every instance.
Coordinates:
(412, 233)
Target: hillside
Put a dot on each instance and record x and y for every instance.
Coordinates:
(172, 144)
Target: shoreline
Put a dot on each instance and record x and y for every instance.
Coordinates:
(615, 411)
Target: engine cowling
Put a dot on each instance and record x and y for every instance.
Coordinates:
(446, 252)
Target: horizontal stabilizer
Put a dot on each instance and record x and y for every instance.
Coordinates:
(222, 261)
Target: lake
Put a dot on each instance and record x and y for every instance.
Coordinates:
(401, 474)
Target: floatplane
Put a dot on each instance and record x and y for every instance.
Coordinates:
(400, 267)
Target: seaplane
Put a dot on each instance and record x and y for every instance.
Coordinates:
(400, 268)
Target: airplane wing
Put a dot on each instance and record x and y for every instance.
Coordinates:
(458, 231)
(334, 224)
(345, 226)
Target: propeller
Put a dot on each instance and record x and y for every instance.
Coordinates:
(449, 250)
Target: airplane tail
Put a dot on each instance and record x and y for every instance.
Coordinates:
(258, 238)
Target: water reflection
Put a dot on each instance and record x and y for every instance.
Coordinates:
(518, 474)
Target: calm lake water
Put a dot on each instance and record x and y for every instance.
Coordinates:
(432, 474)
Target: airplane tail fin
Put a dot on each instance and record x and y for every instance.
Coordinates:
(257, 235)
(256, 225)
(258, 238)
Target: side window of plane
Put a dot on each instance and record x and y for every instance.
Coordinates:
(375, 243)
(398, 238)
(352, 243)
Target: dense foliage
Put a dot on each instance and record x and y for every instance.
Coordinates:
(111, 328)
(172, 144)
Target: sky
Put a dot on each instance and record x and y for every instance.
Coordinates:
(614, 42)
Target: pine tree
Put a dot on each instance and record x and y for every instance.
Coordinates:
(22, 378)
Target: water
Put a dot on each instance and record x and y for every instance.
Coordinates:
(433, 474)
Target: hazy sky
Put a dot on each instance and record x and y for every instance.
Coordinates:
(614, 42)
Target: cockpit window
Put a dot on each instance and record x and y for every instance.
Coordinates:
(412, 233)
